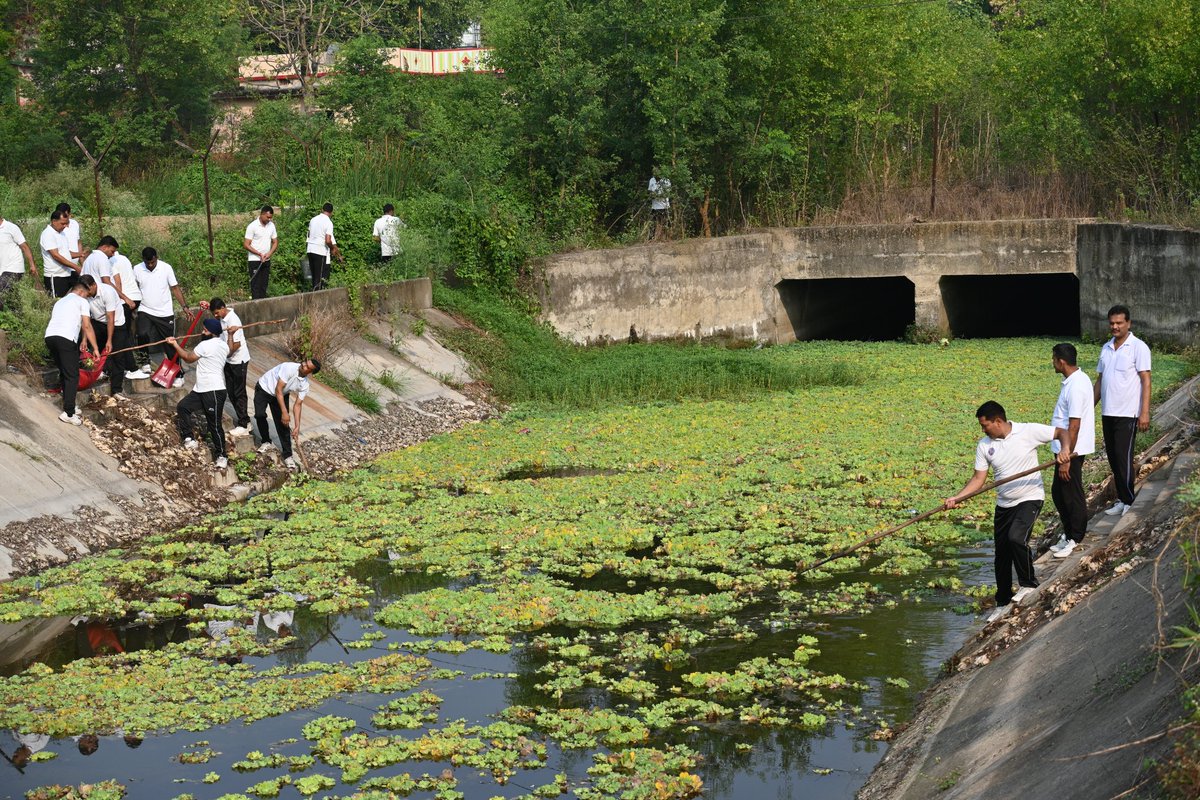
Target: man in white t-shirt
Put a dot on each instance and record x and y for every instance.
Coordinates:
(1075, 413)
(108, 314)
(156, 315)
(1122, 389)
(260, 242)
(70, 317)
(98, 263)
(235, 367)
(59, 270)
(321, 246)
(208, 395)
(12, 247)
(274, 390)
(387, 233)
(1010, 448)
(127, 289)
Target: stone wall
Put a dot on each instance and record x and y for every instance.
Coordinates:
(728, 285)
(1152, 269)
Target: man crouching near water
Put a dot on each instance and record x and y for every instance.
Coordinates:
(1009, 448)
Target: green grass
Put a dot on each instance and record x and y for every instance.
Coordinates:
(353, 389)
(528, 363)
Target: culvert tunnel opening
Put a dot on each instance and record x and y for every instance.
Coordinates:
(989, 306)
(857, 309)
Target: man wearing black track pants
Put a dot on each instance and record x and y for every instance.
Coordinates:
(1122, 389)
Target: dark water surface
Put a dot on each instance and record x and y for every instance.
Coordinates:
(909, 641)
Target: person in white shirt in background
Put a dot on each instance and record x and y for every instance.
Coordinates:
(387, 233)
(70, 317)
(108, 312)
(156, 315)
(98, 263)
(1122, 389)
(260, 243)
(1074, 412)
(127, 289)
(1010, 448)
(74, 234)
(208, 395)
(322, 246)
(235, 367)
(12, 247)
(59, 272)
(273, 391)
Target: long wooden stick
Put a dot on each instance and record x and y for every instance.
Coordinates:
(985, 488)
(190, 336)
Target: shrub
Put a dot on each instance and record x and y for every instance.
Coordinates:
(25, 315)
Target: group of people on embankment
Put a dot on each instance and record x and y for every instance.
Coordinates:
(1122, 388)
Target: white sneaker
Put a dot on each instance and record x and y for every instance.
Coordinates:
(290, 463)
(147, 370)
(1060, 544)
(73, 419)
(190, 443)
(134, 375)
(998, 612)
(178, 382)
(239, 432)
(1066, 550)
(266, 447)
(221, 463)
(1116, 508)
(1022, 593)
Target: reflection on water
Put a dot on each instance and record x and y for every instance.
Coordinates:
(909, 640)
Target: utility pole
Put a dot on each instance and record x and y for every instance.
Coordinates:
(95, 164)
(207, 200)
(933, 173)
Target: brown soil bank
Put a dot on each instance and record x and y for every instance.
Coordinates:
(1070, 696)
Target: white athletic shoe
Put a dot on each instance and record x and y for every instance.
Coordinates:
(1060, 544)
(73, 419)
(1066, 550)
(1117, 508)
(178, 382)
(266, 447)
(134, 375)
(1022, 593)
(998, 612)
(221, 463)
(190, 443)
(290, 463)
(239, 432)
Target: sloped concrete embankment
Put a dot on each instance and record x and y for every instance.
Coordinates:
(1068, 696)
(68, 491)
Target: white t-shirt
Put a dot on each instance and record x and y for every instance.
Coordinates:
(97, 265)
(1015, 453)
(124, 270)
(210, 369)
(387, 228)
(1075, 400)
(1120, 386)
(11, 239)
(53, 240)
(260, 237)
(74, 235)
(242, 354)
(318, 226)
(66, 320)
(156, 288)
(289, 373)
(106, 300)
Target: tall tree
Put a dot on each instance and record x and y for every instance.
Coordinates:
(138, 71)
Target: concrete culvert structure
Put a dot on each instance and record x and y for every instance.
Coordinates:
(984, 306)
(863, 309)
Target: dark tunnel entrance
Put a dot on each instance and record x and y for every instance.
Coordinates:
(982, 306)
(864, 309)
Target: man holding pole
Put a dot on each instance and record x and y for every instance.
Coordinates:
(156, 315)
(260, 243)
(1009, 448)
(272, 391)
(71, 317)
(59, 271)
(108, 316)
(208, 395)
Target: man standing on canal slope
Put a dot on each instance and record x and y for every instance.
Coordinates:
(272, 391)
(1010, 448)
(71, 317)
(1075, 412)
(208, 395)
(1123, 390)
(260, 243)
